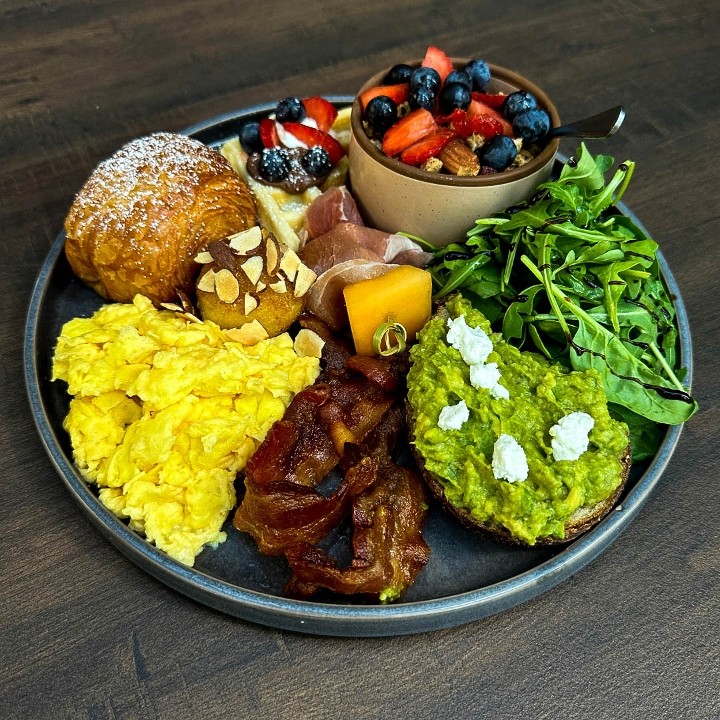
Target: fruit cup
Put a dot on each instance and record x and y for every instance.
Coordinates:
(437, 207)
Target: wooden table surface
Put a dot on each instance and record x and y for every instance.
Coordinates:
(87, 634)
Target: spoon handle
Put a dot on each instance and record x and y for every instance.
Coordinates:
(601, 125)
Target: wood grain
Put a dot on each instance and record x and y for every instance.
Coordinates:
(86, 634)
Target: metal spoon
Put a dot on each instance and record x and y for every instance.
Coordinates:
(602, 125)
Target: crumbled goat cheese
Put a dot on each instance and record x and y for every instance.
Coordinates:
(509, 461)
(452, 417)
(570, 436)
(488, 376)
(473, 343)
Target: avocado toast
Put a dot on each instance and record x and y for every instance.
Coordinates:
(515, 446)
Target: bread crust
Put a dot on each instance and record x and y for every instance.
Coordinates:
(145, 212)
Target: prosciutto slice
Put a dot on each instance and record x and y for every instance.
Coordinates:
(349, 241)
(326, 211)
(325, 297)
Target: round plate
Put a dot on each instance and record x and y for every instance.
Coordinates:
(467, 578)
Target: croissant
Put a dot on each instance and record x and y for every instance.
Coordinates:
(144, 214)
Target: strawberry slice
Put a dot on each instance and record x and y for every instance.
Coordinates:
(399, 93)
(311, 136)
(438, 60)
(493, 100)
(408, 130)
(466, 124)
(268, 133)
(481, 109)
(321, 111)
(427, 147)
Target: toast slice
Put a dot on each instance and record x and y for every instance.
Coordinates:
(578, 522)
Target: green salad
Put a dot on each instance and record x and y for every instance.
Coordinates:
(567, 274)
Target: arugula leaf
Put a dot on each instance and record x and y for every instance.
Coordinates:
(593, 292)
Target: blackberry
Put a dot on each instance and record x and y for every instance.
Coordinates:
(273, 165)
(316, 161)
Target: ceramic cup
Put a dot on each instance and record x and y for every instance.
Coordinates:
(436, 207)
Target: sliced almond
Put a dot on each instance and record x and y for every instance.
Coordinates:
(207, 282)
(271, 255)
(249, 334)
(172, 306)
(253, 268)
(290, 263)
(250, 303)
(308, 343)
(245, 241)
(226, 286)
(279, 287)
(203, 258)
(260, 286)
(223, 255)
(303, 280)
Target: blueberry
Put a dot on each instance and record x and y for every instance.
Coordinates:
(479, 72)
(290, 109)
(454, 96)
(517, 102)
(273, 165)
(250, 137)
(531, 125)
(316, 161)
(398, 74)
(380, 114)
(422, 97)
(459, 76)
(497, 153)
(427, 76)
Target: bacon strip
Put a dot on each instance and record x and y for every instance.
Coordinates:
(348, 423)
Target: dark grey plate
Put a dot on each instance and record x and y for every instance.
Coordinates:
(466, 578)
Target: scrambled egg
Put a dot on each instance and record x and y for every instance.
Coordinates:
(166, 411)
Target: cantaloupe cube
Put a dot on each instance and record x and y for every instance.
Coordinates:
(403, 295)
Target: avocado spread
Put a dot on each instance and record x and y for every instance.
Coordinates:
(540, 395)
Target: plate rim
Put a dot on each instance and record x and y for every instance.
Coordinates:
(342, 620)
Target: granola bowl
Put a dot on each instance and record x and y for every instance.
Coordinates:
(438, 207)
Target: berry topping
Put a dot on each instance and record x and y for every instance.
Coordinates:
(312, 136)
(531, 125)
(273, 165)
(517, 102)
(493, 100)
(427, 77)
(397, 93)
(479, 71)
(454, 96)
(380, 114)
(398, 74)
(250, 137)
(422, 97)
(459, 76)
(497, 153)
(437, 59)
(322, 111)
(268, 133)
(316, 161)
(427, 147)
(290, 109)
(408, 130)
